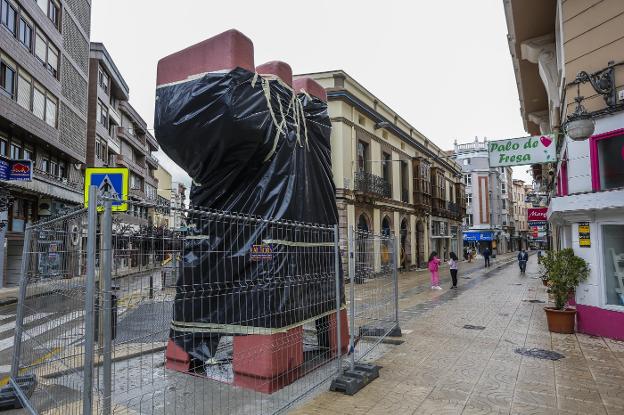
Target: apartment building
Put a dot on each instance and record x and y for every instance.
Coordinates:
(163, 196)
(489, 202)
(117, 136)
(44, 64)
(389, 177)
(520, 215)
(568, 59)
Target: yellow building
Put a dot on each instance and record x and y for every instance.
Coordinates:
(162, 217)
(389, 177)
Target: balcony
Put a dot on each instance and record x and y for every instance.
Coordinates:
(137, 193)
(151, 141)
(149, 179)
(58, 181)
(136, 167)
(131, 112)
(454, 210)
(151, 160)
(133, 140)
(372, 184)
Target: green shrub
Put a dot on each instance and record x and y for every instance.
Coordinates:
(565, 272)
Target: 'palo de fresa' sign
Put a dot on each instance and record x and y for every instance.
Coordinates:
(522, 151)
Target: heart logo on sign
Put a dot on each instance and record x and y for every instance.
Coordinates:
(546, 140)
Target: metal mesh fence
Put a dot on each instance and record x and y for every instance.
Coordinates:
(373, 292)
(227, 314)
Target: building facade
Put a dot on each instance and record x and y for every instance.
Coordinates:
(44, 65)
(163, 196)
(489, 209)
(117, 136)
(519, 239)
(565, 52)
(389, 177)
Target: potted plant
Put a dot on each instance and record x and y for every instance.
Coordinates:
(565, 272)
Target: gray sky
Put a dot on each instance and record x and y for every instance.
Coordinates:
(444, 66)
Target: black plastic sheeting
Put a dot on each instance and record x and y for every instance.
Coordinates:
(539, 353)
(219, 129)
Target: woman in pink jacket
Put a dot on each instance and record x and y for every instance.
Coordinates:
(434, 265)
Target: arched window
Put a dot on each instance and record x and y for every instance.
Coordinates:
(362, 223)
(385, 226)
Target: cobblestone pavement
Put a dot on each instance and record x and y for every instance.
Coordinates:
(445, 368)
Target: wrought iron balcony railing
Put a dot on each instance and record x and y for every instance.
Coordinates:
(369, 183)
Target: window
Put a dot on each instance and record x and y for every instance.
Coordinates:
(4, 146)
(53, 168)
(613, 251)
(45, 164)
(135, 182)
(102, 114)
(41, 48)
(28, 153)
(469, 220)
(468, 198)
(50, 113)
(52, 65)
(503, 188)
(7, 78)
(16, 151)
(466, 162)
(98, 149)
(62, 170)
(362, 156)
(8, 16)
(386, 167)
(468, 179)
(39, 102)
(504, 203)
(25, 32)
(24, 91)
(103, 80)
(51, 9)
(607, 161)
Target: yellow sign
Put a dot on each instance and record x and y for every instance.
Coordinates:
(584, 235)
(111, 182)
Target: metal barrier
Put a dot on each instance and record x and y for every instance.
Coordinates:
(230, 314)
(373, 293)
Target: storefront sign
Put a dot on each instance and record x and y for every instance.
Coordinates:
(20, 170)
(522, 151)
(478, 236)
(584, 236)
(537, 214)
(534, 231)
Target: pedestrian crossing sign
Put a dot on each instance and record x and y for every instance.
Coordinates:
(111, 182)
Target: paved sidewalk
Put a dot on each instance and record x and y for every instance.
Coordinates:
(444, 368)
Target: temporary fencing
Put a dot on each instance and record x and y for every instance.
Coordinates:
(230, 313)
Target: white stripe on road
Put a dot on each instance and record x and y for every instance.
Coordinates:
(27, 320)
(48, 325)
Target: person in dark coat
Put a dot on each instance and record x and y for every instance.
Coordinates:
(523, 257)
(486, 255)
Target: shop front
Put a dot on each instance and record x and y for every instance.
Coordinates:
(479, 240)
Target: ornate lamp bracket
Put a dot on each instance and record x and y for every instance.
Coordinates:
(603, 83)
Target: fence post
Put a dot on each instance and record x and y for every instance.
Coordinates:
(351, 242)
(395, 277)
(107, 258)
(338, 322)
(21, 304)
(87, 401)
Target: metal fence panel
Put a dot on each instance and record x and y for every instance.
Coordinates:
(373, 293)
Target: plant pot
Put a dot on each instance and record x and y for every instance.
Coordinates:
(560, 321)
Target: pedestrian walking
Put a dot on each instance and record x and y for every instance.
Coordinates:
(434, 266)
(523, 257)
(469, 254)
(486, 256)
(453, 267)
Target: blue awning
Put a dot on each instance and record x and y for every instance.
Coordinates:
(478, 236)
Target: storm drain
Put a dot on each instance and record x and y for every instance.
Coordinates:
(471, 327)
(534, 301)
(539, 353)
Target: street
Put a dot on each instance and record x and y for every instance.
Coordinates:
(459, 354)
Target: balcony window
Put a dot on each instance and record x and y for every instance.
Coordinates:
(102, 114)
(44, 165)
(51, 9)
(28, 153)
(62, 169)
(607, 158)
(362, 156)
(50, 114)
